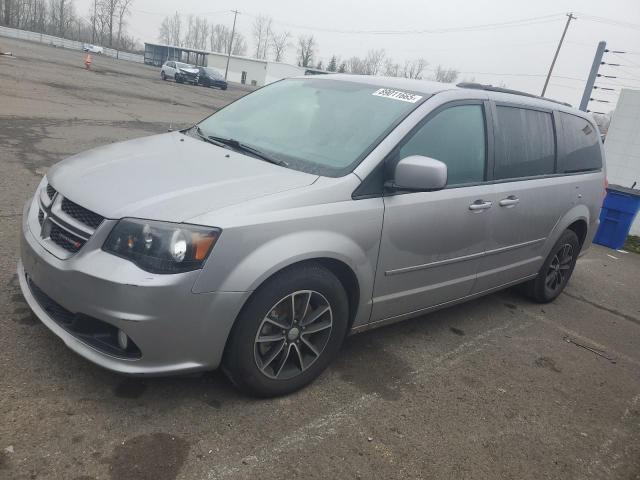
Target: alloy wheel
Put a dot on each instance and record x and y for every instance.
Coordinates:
(293, 334)
(558, 272)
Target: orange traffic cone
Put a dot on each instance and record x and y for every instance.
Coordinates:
(87, 61)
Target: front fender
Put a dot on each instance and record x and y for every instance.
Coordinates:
(284, 251)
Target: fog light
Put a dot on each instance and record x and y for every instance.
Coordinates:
(123, 340)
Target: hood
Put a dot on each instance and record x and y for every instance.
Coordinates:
(192, 71)
(171, 177)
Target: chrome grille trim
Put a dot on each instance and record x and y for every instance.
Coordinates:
(64, 225)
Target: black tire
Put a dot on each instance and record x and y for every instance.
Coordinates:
(163, 75)
(224, 87)
(548, 285)
(243, 351)
(177, 78)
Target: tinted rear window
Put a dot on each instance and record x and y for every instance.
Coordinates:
(524, 143)
(582, 147)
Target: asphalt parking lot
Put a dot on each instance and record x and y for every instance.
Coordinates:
(498, 388)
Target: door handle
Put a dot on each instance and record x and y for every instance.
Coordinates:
(480, 205)
(510, 201)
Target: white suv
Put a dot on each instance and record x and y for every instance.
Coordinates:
(180, 72)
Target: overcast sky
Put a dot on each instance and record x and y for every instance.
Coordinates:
(519, 55)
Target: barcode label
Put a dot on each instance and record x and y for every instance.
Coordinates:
(397, 95)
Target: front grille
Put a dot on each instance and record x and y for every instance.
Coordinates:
(81, 214)
(100, 335)
(40, 216)
(50, 191)
(65, 239)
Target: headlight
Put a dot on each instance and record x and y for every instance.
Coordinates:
(160, 247)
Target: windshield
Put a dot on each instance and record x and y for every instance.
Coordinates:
(320, 126)
(183, 65)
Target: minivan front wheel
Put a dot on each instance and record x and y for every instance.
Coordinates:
(556, 270)
(288, 333)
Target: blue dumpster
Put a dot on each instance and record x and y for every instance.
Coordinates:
(618, 212)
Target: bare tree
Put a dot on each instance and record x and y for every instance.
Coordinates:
(356, 66)
(306, 50)
(445, 75)
(414, 68)
(219, 38)
(239, 45)
(124, 9)
(261, 34)
(197, 32)
(61, 16)
(279, 44)
(372, 63)
(174, 28)
(391, 69)
(107, 10)
(164, 34)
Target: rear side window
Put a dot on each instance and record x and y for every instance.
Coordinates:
(456, 137)
(581, 143)
(524, 143)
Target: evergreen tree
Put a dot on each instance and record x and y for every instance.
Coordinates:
(333, 64)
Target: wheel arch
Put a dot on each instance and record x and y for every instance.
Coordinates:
(345, 274)
(580, 228)
(576, 219)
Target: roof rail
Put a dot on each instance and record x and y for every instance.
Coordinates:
(491, 88)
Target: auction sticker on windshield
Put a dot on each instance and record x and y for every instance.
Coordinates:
(397, 95)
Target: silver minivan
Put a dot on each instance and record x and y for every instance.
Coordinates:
(307, 210)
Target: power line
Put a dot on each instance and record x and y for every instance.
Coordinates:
(626, 59)
(147, 12)
(480, 27)
(608, 21)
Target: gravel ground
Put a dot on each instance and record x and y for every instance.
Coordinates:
(490, 389)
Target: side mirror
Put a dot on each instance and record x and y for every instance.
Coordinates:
(420, 174)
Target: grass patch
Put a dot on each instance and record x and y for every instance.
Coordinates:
(632, 244)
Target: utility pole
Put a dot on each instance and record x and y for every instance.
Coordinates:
(555, 57)
(233, 32)
(591, 79)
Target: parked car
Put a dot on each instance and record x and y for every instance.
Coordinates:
(180, 72)
(255, 240)
(93, 49)
(210, 77)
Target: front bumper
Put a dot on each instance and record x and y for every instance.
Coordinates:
(188, 77)
(175, 329)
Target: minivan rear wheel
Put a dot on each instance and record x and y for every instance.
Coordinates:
(288, 333)
(556, 270)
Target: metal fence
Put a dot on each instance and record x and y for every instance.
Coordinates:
(64, 43)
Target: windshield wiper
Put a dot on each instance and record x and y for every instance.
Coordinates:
(243, 147)
(201, 134)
